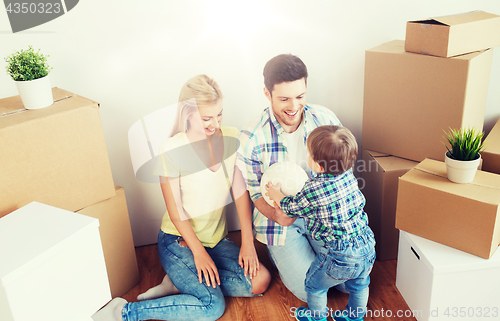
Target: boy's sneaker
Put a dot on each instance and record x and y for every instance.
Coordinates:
(339, 316)
(301, 314)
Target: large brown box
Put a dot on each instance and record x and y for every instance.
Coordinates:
(454, 34)
(379, 184)
(462, 216)
(491, 154)
(117, 242)
(409, 99)
(55, 155)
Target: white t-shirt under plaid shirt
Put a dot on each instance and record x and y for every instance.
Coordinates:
(262, 144)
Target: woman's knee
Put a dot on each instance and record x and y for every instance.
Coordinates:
(261, 281)
(215, 309)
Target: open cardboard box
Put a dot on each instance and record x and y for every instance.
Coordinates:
(55, 155)
(453, 35)
(463, 216)
(491, 154)
(409, 99)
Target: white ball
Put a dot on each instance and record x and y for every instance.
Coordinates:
(291, 176)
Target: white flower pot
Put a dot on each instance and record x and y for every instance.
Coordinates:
(35, 94)
(461, 171)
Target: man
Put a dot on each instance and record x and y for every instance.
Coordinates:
(279, 134)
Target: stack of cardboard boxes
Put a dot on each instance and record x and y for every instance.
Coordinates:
(414, 91)
(57, 156)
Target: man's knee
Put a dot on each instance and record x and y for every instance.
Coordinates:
(261, 282)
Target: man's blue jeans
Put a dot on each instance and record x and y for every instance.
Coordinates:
(198, 301)
(342, 261)
(295, 257)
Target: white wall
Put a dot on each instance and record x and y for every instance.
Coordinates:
(133, 57)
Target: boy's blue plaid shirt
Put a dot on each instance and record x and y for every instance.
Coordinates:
(332, 206)
(261, 145)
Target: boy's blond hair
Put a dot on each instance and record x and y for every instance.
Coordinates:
(333, 147)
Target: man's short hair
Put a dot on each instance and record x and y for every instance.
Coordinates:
(283, 68)
(333, 147)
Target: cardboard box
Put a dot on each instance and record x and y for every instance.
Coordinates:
(462, 216)
(379, 185)
(453, 35)
(409, 99)
(52, 265)
(441, 283)
(117, 242)
(55, 155)
(491, 154)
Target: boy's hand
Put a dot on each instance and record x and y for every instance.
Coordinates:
(281, 218)
(274, 192)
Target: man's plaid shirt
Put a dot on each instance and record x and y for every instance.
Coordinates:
(332, 206)
(262, 144)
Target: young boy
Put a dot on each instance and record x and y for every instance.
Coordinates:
(332, 207)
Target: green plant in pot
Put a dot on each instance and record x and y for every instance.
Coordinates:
(464, 154)
(30, 71)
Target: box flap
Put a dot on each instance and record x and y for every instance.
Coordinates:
(14, 104)
(12, 108)
(398, 47)
(462, 18)
(431, 173)
(394, 163)
(376, 154)
(394, 46)
(492, 141)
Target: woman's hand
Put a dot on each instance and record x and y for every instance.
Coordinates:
(206, 268)
(248, 259)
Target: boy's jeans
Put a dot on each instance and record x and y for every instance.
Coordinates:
(198, 301)
(342, 261)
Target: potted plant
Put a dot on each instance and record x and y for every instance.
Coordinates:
(464, 155)
(30, 71)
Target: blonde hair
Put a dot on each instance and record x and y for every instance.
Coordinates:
(197, 91)
(333, 147)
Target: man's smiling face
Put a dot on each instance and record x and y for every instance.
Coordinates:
(288, 100)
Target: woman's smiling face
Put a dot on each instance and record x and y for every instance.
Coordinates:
(207, 120)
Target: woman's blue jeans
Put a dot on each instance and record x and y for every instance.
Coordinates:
(198, 301)
(342, 261)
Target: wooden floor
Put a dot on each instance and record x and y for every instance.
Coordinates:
(277, 303)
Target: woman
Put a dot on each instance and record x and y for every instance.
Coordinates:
(199, 160)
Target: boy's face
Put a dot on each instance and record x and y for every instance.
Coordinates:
(288, 100)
